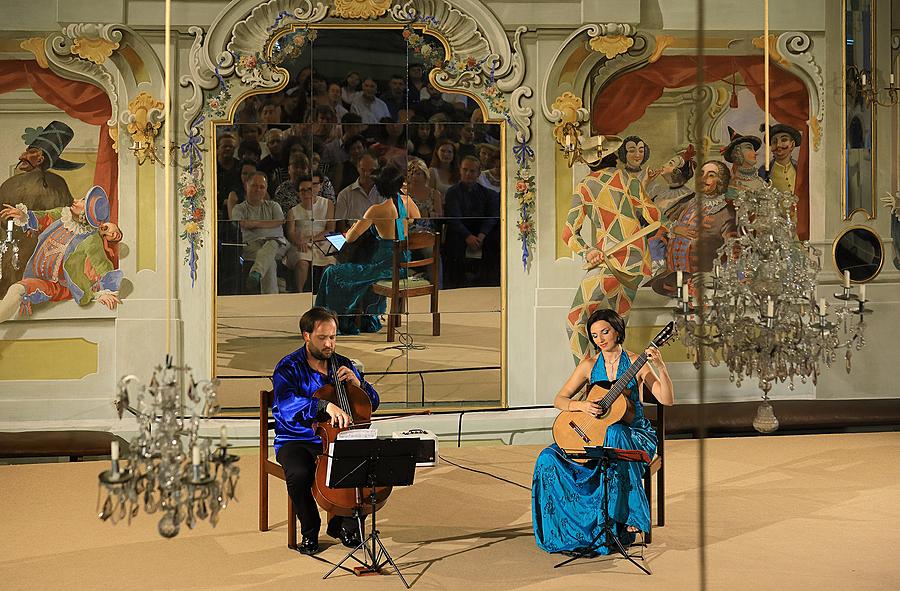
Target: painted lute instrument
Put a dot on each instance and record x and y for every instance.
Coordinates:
(575, 430)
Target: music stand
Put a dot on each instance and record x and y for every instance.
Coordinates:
(606, 456)
(370, 463)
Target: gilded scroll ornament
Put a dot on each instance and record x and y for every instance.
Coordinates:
(36, 46)
(360, 8)
(144, 120)
(662, 43)
(96, 50)
(611, 45)
(816, 132)
(774, 53)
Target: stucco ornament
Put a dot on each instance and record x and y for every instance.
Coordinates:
(95, 49)
(36, 46)
(611, 45)
(360, 8)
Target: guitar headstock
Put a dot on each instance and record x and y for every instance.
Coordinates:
(665, 335)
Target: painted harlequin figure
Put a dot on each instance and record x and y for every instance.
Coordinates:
(72, 258)
(624, 220)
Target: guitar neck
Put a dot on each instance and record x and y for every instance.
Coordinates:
(620, 384)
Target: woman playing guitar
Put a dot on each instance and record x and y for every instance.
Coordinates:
(567, 496)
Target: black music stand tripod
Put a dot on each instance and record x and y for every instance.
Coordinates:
(370, 463)
(605, 456)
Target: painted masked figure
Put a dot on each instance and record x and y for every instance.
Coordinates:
(670, 191)
(72, 258)
(741, 152)
(689, 250)
(634, 154)
(34, 185)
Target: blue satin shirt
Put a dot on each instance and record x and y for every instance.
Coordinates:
(295, 408)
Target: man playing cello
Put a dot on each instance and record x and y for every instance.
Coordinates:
(295, 380)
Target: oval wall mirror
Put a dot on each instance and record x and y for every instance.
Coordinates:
(860, 251)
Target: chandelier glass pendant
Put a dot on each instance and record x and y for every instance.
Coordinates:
(760, 313)
(168, 468)
(9, 244)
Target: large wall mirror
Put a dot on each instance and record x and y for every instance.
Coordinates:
(297, 166)
(859, 113)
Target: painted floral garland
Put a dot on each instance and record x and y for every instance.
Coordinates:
(190, 184)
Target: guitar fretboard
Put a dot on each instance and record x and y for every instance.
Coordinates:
(620, 384)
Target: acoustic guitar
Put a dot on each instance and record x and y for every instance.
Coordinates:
(575, 430)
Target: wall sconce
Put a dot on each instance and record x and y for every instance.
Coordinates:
(568, 113)
(143, 119)
(861, 83)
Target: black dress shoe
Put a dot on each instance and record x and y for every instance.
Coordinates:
(308, 546)
(349, 538)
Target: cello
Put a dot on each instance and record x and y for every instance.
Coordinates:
(353, 400)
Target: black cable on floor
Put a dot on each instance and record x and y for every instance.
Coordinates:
(485, 473)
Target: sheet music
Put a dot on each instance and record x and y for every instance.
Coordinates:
(369, 433)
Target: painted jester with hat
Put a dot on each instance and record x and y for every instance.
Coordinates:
(73, 257)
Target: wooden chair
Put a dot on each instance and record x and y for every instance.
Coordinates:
(399, 289)
(268, 467)
(657, 464)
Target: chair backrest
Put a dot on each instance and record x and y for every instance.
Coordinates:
(266, 398)
(418, 241)
(657, 418)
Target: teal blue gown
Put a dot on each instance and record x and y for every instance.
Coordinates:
(346, 288)
(567, 497)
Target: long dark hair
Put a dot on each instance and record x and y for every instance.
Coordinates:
(612, 317)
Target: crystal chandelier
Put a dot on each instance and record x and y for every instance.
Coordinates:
(759, 307)
(168, 467)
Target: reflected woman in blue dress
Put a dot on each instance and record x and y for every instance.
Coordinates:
(346, 288)
(567, 497)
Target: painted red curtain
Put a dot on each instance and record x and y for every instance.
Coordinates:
(80, 100)
(788, 102)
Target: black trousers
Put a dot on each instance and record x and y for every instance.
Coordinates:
(298, 458)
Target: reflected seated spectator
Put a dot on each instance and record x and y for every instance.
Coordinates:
(248, 168)
(307, 222)
(346, 288)
(261, 223)
(360, 195)
(472, 213)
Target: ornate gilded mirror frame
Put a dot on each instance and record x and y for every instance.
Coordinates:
(225, 69)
